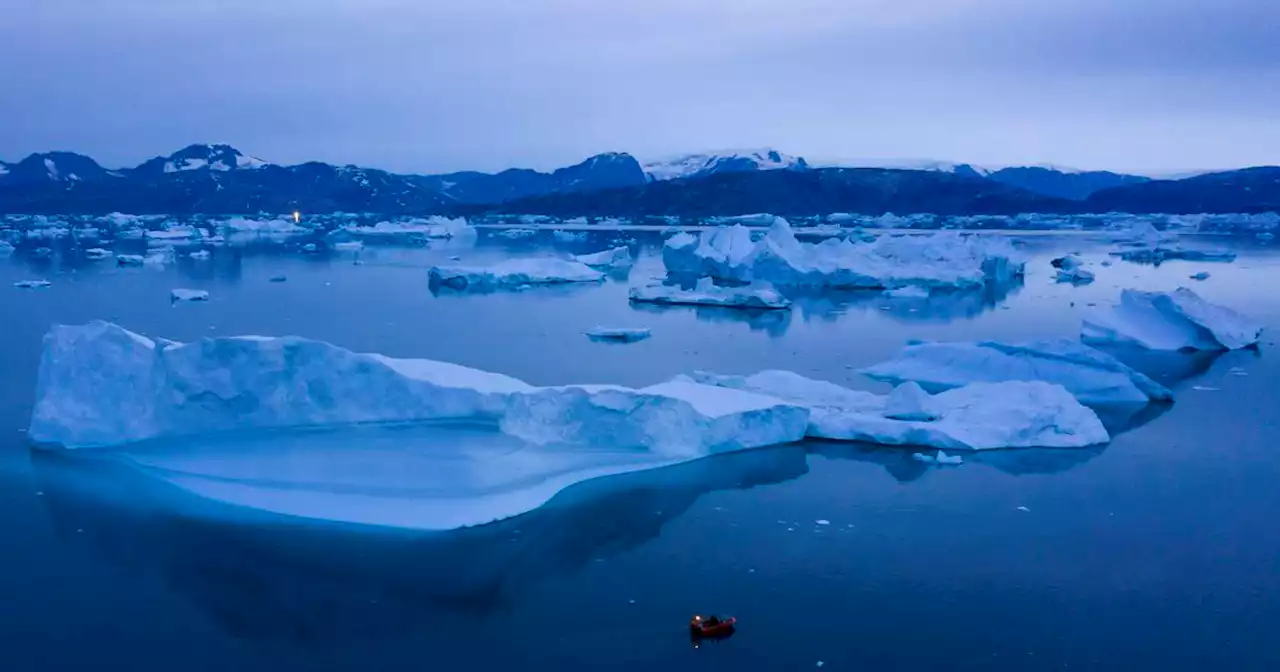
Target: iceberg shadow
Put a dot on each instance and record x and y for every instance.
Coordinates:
(275, 578)
(942, 305)
(899, 464)
(773, 322)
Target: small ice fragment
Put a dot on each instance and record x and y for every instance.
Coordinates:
(200, 254)
(31, 284)
(944, 458)
(96, 253)
(1023, 508)
(189, 295)
(820, 663)
(923, 458)
(822, 522)
(309, 247)
(1237, 371)
(617, 334)
(1202, 275)
(1204, 388)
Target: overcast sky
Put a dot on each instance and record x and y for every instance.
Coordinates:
(437, 85)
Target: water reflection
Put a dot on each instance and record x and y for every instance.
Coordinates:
(904, 469)
(272, 578)
(773, 322)
(940, 306)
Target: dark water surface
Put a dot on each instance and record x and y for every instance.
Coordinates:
(1159, 552)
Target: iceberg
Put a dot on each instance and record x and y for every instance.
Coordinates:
(175, 235)
(97, 253)
(189, 295)
(678, 419)
(1094, 377)
(32, 284)
(1179, 320)
(947, 259)
(1075, 276)
(100, 384)
(514, 273)
(706, 293)
(618, 334)
(978, 416)
(129, 259)
(408, 231)
(617, 258)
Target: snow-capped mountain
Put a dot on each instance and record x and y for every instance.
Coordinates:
(49, 167)
(201, 157)
(728, 161)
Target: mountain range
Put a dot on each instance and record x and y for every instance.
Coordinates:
(219, 179)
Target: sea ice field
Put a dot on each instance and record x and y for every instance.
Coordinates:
(250, 445)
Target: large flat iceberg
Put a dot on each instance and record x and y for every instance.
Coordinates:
(1094, 377)
(514, 273)
(980, 416)
(100, 384)
(1179, 320)
(617, 258)
(679, 418)
(707, 293)
(947, 259)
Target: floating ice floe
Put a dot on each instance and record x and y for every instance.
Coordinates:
(31, 284)
(1075, 276)
(348, 246)
(200, 255)
(1202, 275)
(129, 259)
(978, 416)
(1179, 320)
(516, 233)
(174, 235)
(617, 258)
(707, 293)
(189, 295)
(241, 227)
(417, 229)
(569, 236)
(679, 418)
(100, 384)
(514, 273)
(945, 259)
(1093, 376)
(618, 334)
(97, 253)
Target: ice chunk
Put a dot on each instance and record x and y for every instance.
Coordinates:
(516, 233)
(100, 384)
(348, 246)
(200, 255)
(1202, 275)
(909, 401)
(189, 295)
(569, 236)
(1179, 320)
(679, 418)
(908, 292)
(620, 334)
(936, 260)
(942, 458)
(1075, 276)
(417, 229)
(612, 259)
(129, 259)
(1068, 263)
(97, 253)
(1094, 377)
(706, 293)
(175, 234)
(980, 416)
(31, 284)
(514, 273)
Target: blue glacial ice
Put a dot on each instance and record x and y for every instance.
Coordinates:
(978, 416)
(1178, 320)
(946, 259)
(1094, 377)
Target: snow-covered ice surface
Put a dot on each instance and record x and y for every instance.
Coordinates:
(612, 259)
(678, 419)
(1178, 320)
(100, 384)
(514, 273)
(619, 334)
(707, 293)
(189, 295)
(1093, 376)
(946, 259)
(978, 416)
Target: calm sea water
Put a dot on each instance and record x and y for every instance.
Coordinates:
(1159, 552)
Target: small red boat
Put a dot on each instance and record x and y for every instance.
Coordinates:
(711, 627)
